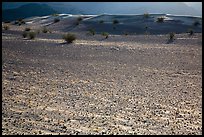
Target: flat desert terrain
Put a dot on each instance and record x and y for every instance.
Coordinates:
(125, 84)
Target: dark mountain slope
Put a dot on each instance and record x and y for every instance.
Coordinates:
(28, 10)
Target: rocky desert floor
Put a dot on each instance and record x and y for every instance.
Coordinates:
(134, 84)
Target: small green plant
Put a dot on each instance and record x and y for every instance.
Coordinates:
(105, 34)
(19, 22)
(125, 33)
(92, 32)
(25, 34)
(32, 35)
(196, 23)
(160, 19)
(115, 21)
(55, 14)
(191, 32)
(79, 19)
(146, 30)
(49, 31)
(22, 22)
(171, 35)
(77, 23)
(44, 30)
(101, 21)
(146, 15)
(6, 27)
(15, 22)
(37, 31)
(27, 29)
(69, 38)
(7, 22)
(56, 20)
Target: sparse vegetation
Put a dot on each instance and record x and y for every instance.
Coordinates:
(55, 14)
(101, 21)
(105, 34)
(171, 36)
(19, 22)
(79, 19)
(146, 15)
(7, 22)
(27, 29)
(69, 38)
(146, 30)
(49, 31)
(32, 35)
(6, 27)
(56, 20)
(160, 19)
(115, 21)
(22, 22)
(25, 34)
(38, 31)
(196, 23)
(191, 32)
(44, 30)
(92, 32)
(77, 23)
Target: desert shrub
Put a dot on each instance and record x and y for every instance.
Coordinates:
(92, 32)
(190, 31)
(15, 22)
(20, 22)
(55, 14)
(56, 20)
(44, 30)
(196, 23)
(69, 38)
(37, 31)
(115, 21)
(101, 21)
(27, 29)
(25, 34)
(105, 34)
(7, 22)
(32, 35)
(79, 19)
(146, 15)
(160, 19)
(77, 23)
(49, 31)
(6, 27)
(171, 35)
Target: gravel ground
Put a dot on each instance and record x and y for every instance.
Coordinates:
(139, 84)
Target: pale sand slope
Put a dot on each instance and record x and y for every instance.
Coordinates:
(135, 84)
(130, 24)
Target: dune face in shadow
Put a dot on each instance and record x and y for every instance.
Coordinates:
(130, 24)
(138, 24)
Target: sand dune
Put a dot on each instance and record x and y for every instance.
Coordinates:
(131, 24)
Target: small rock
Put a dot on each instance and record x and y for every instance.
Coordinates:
(115, 48)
